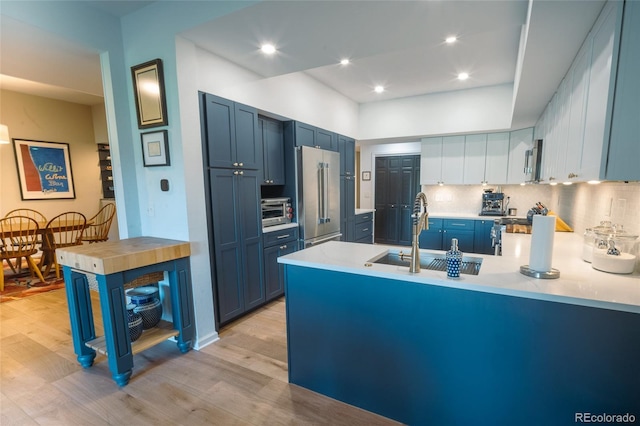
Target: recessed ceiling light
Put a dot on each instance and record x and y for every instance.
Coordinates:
(379, 89)
(463, 76)
(268, 49)
(451, 39)
(344, 62)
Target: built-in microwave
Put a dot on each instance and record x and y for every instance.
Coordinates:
(276, 211)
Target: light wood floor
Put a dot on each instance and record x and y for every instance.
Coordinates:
(239, 380)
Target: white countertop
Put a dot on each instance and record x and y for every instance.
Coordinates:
(579, 284)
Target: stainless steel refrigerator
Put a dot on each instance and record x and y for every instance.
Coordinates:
(318, 187)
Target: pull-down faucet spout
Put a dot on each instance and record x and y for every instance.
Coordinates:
(420, 223)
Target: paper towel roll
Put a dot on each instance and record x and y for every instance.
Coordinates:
(541, 252)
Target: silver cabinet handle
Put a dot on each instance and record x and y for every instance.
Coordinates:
(240, 164)
(235, 164)
(365, 229)
(235, 172)
(283, 247)
(283, 236)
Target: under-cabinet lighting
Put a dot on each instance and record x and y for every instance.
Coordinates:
(567, 183)
(463, 76)
(553, 183)
(593, 182)
(268, 49)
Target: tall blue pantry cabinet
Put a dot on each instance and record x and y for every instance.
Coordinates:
(233, 162)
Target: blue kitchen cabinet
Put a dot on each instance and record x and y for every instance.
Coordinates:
(364, 228)
(347, 150)
(272, 137)
(432, 238)
(237, 241)
(276, 244)
(482, 239)
(231, 131)
(308, 135)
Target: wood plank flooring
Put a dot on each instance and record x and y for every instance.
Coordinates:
(239, 380)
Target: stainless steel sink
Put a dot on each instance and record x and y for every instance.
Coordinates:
(435, 262)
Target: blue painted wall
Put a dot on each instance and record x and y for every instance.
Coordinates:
(423, 354)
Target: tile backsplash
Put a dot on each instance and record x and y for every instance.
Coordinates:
(580, 205)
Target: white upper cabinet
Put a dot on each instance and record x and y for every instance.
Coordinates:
(442, 160)
(600, 87)
(519, 142)
(431, 161)
(452, 159)
(475, 155)
(496, 165)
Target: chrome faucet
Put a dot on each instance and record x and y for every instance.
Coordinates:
(420, 223)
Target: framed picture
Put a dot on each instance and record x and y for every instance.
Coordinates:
(148, 90)
(155, 148)
(366, 175)
(44, 170)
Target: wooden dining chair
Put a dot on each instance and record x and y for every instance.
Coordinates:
(98, 226)
(18, 239)
(64, 230)
(33, 214)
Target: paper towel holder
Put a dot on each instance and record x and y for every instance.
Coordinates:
(546, 275)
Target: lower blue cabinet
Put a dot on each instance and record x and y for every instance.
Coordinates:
(276, 244)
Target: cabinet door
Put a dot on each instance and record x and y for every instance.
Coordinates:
(227, 241)
(408, 190)
(251, 232)
(519, 142)
(475, 152)
(624, 147)
(347, 156)
(431, 238)
(326, 140)
(579, 77)
(347, 207)
(273, 151)
(452, 159)
(273, 271)
(497, 162)
(248, 146)
(431, 161)
(482, 238)
(599, 100)
(220, 131)
(465, 239)
(562, 131)
(305, 135)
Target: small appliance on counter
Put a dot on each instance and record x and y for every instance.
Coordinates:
(492, 203)
(276, 211)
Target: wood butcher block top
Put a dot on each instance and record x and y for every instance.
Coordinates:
(117, 256)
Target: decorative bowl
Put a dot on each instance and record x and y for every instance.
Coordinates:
(135, 323)
(151, 313)
(143, 295)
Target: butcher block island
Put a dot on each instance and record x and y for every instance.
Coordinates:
(497, 347)
(111, 268)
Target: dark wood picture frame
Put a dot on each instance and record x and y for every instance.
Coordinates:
(148, 91)
(155, 148)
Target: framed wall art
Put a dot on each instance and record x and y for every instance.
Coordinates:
(148, 90)
(366, 175)
(44, 170)
(155, 148)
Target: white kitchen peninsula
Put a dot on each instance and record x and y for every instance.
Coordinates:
(424, 349)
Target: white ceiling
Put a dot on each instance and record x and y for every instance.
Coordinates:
(399, 44)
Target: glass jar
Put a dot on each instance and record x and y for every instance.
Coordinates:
(615, 252)
(590, 238)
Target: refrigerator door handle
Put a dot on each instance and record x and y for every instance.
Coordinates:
(324, 193)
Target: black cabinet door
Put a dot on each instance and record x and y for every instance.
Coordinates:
(347, 207)
(347, 148)
(272, 135)
(220, 131)
(326, 140)
(248, 147)
(227, 241)
(305, 135)
(237, 235)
